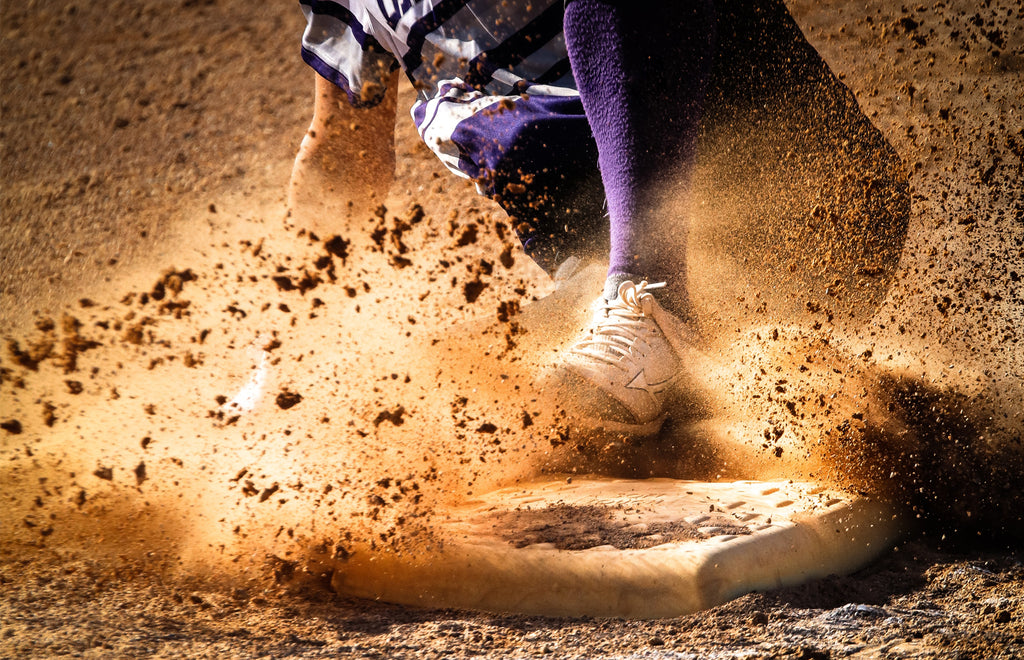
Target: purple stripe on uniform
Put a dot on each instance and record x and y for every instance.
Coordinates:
(531, 38)
(534, 133)
(331, 74)
(419, 114)
(440, 13)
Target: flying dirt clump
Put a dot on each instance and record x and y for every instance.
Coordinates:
(286, 399)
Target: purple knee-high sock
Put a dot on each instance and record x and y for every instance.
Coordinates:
(641, 67)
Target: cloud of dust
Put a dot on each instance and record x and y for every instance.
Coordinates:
(284, 400)
(851, 336)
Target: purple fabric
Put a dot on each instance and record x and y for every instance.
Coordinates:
(532, 132)
(537, 159)
(338, 78)
(641, 67)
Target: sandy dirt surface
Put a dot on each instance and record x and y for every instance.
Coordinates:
(200, 401)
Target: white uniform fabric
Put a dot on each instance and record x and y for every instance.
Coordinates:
(472, 61)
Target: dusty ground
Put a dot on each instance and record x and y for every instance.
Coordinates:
(150, 276)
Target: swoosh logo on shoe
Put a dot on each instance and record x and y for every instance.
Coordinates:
(639, 382)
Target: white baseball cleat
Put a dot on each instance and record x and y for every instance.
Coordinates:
(619, 375)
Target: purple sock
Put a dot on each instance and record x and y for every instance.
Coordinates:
(641, 67)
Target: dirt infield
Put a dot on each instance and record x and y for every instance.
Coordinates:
(197, 398)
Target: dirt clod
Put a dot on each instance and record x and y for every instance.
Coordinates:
(287, 399)
(12, 426)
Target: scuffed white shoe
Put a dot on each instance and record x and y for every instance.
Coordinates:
(618, 377)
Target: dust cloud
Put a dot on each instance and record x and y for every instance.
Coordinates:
(264, 401)
(865, 328)
(286, 396)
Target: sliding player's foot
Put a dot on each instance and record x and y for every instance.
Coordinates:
(619, 375)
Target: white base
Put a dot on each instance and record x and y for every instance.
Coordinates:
(797, 532)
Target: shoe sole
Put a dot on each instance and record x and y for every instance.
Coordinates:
(610, 430)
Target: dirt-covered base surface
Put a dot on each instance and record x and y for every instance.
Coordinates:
(204, 406)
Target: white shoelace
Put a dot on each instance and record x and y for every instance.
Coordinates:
(617, 325)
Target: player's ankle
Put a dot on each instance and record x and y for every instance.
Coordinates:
(673, 297)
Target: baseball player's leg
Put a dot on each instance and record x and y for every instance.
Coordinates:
(346, 161)
(641, 70)
(536, 157)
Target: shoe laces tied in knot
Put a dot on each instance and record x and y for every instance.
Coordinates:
(618, 324)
